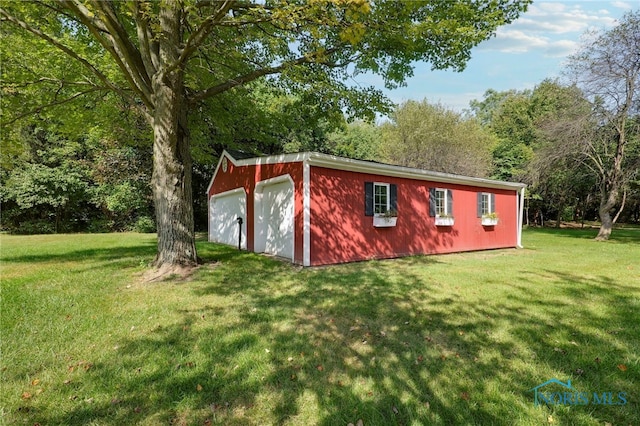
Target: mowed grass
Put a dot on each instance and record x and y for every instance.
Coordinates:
(433, 340)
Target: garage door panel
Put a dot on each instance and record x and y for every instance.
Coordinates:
(223, 213)
(277, 218)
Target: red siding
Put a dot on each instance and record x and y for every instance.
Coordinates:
(340, 231)
(248, 177)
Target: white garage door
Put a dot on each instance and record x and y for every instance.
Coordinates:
(224, 210)
(277, 219)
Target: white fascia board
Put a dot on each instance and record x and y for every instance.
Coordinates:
(215, 172)
(332, 162)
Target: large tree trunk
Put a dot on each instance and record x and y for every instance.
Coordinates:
(171, 178)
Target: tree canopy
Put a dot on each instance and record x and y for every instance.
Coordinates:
(433, 137)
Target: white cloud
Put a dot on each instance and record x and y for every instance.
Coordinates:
(551, 28)
(621, 5)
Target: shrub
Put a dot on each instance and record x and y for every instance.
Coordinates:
(145, 225)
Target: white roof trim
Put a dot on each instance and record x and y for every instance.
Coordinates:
(360, 166)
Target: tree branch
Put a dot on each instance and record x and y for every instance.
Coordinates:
(254, 75)
(201, 33)
(52, 104)
(99, 30)
(57, 44)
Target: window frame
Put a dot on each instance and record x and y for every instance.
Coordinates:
(445, 202)
(387, 205)
(488, 207)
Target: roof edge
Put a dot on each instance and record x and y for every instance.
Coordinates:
(362, 166)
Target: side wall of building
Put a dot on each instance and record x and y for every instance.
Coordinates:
(341, 232)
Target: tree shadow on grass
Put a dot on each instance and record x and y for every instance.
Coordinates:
(381, 341)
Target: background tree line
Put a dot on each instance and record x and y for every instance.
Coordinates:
(575, 141)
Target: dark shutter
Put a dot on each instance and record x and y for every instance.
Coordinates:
(393, 197)
(479, 204)
(450, 202)
(432, 202)
(493, 202)
(368, 198)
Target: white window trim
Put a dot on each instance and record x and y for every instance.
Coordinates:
(388, 207)
(489, 196)
(445, 200)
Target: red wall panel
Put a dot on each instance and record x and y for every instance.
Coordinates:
(340, 231)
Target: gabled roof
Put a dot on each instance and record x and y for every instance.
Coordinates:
(369, 167)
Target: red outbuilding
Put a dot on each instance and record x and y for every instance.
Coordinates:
(318, 209)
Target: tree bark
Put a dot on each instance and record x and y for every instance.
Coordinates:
(607, 203)
(171, 180)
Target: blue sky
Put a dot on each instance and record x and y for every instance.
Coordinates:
(520, 56)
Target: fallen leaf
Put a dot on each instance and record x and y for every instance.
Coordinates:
(464, 395)
(199, 388)
(420, 358)
(35, 382)
(290, 359)
(550, 419)
(39, 391)
(319, 367)
(461, 333)
(26, 395)
(66, 382)
(137, 409)
(622, 367)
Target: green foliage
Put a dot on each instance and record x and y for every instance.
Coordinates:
(359, 140)
(54, 184)
(145, 225)
(432, 137)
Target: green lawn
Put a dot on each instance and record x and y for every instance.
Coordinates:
(436, 340)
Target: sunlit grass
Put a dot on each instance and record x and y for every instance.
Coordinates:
(455, 339)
